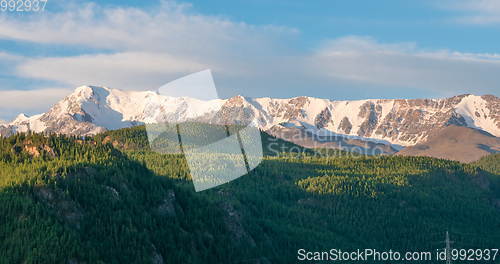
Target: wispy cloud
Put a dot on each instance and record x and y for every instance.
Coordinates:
(405, 65)
(170, 27)
(478, 12)
(142, 48)
(124, 70)
(13, 102)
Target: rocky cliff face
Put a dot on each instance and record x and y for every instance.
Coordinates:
(401, 122)
(90, 109)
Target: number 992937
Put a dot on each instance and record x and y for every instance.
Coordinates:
(22, 5)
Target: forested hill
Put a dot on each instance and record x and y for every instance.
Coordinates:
(108, 199)
(136, 139)
(490, 163)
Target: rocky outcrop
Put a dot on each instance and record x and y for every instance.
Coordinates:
(62, 205)
(345, 126)
(323, 119)
(167, 206)
(233, 222)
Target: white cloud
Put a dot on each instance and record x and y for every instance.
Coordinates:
(8, 62)
(171, 27)
(142, 49)
(7, 57)
(479, 12)
(405, 65)
(125, 70)
(13, 102)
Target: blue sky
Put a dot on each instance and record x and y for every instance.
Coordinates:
(421, 21)
(331, 49)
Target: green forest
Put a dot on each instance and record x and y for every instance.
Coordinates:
(110, 199)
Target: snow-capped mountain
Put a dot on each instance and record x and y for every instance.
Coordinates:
(91, 109)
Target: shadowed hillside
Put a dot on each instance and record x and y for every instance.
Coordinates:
(73, 200)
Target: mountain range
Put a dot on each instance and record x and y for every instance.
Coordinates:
(384, 125)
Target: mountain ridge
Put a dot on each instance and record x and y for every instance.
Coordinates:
(402, 122)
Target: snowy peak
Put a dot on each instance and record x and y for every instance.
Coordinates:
(20, 118)
(93, 109)
(87, 92)
(101, 108)
(480, 112)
